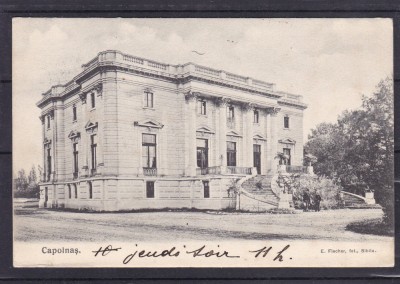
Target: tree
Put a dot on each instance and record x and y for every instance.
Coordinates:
(32, 178)
(357, 151)
(21, 182)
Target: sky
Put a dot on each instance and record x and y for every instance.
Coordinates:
(330, 62)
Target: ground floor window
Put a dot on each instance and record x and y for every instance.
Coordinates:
(231, 153)
(206, 186)
(150, 189)
(90, 190)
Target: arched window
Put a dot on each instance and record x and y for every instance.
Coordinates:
(90, 188)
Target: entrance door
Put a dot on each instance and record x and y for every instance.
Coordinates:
(202, 153)
(46, 196)
(257, 157)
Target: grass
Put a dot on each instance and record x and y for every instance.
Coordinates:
(372, 227)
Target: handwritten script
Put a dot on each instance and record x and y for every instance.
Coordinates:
(265, 252)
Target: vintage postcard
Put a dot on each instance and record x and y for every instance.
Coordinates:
(203, 142)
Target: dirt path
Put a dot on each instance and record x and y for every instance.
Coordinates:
(33, 224)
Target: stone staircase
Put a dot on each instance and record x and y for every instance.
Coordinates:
(259, 198)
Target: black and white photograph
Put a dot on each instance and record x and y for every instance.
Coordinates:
(162, 142)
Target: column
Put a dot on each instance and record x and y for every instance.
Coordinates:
(100, 129)
(59, 142)
(222, 160)
(248, 134)
(83, 160)
(191, 99)
(273, 140)
(43, 176)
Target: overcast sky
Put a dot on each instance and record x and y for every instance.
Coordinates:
(331, 62)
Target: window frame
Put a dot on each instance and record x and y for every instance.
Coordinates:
(231, 154)
(93, 100)
(74, 113)
(285, 151)
(150, 194)
(231, 113)
(48, 122)
(206, 189)
(146, 145)
(206, 153)
(93, 152)
(202, 107)
(148, 101)
(256, 116)
(75, 154)
(286, 122)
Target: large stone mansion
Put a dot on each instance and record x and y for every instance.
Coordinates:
(132, 133)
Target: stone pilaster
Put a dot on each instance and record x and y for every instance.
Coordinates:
(222, 160)
(59, 141)
(248, 109)
(191, 99)
(83, 145)
(273, 137)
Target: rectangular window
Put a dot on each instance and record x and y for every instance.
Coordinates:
(148, 99)
(256, 116)
(48, 122)
(150, 189)
(202, 153)
(231, 153)
(231, 112)
(48, 163)
(93, 99)
(76, 156)
(74, 116)
(206, 186)
(202, 107)
(286, 151)
(93, 148)
(286, 122)
(149, 151)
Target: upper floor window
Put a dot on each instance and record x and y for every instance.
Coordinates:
(48, 122)
(231, 112)
(74, 116)
(93, 100)
(256, 116)
(148, 99)
(286, 122)
(202, 107)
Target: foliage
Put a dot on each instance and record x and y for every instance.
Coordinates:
(327, 189)
(357, 150)
(289, 183)
(283, 158)
(27, 186)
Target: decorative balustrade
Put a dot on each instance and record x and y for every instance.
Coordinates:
(206, 70)
(239, 170)
(296, 169)
(157, 65)
(263, 84)
(234, 77)
(90, 63)
(132, 59)
(209, 171)
(150, 171)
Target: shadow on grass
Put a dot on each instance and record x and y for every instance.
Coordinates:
(371, 227)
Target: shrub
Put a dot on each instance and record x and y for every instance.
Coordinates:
(327, 189)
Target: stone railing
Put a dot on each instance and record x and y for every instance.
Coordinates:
(206, 70)
(150, 171)
(235, 77)
(239, 170)
(133, 59)
(296, 169)
(208, 171)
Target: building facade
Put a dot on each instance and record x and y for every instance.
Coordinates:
(131, 133)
